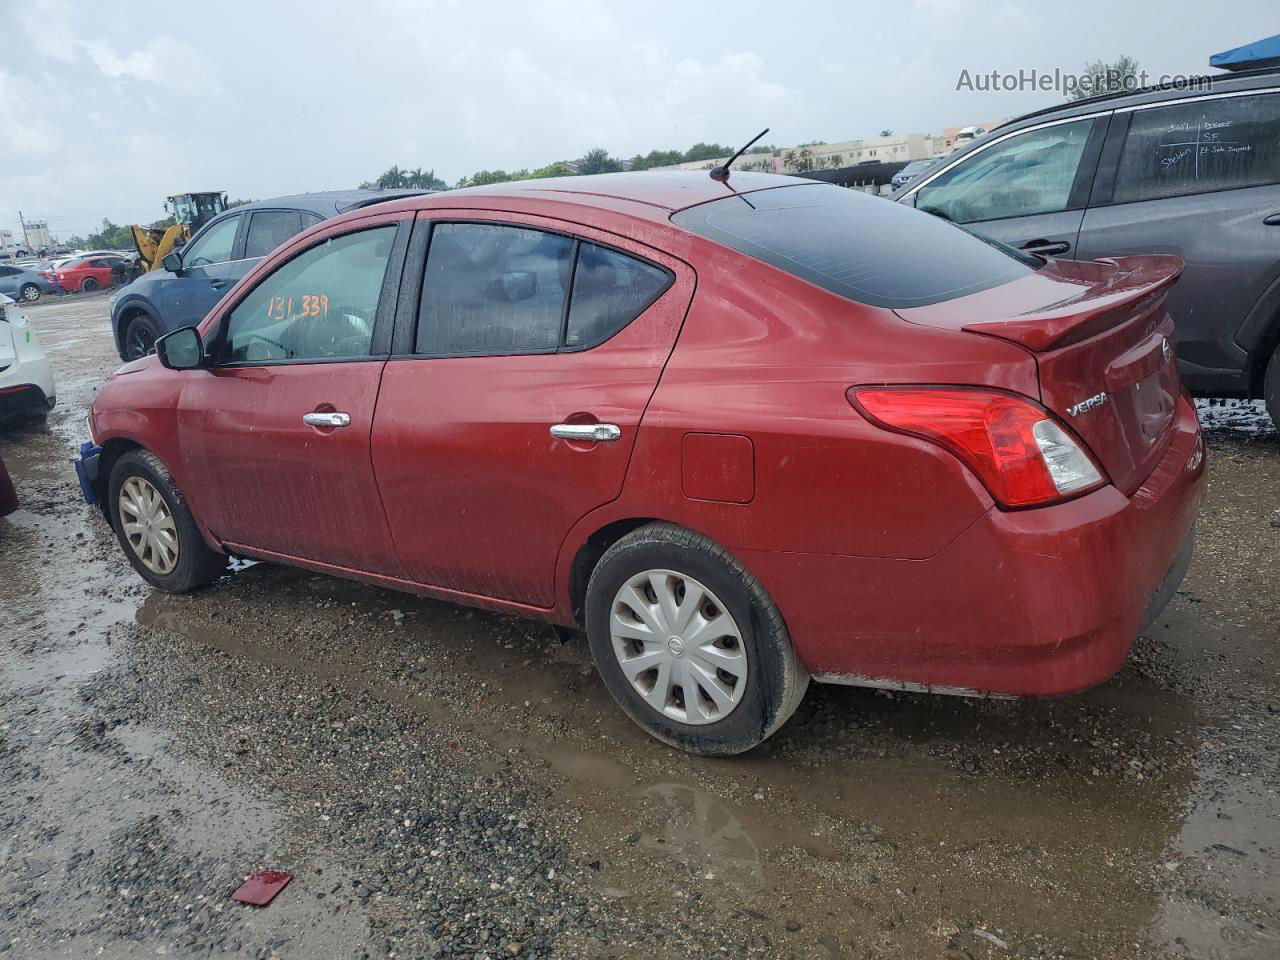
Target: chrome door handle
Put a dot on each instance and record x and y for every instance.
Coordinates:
(327, 419)
(591, 432)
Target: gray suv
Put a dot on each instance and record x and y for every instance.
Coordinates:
(1194, 172)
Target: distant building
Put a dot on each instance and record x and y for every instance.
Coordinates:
(896, 148)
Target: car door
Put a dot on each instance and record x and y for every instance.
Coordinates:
(1201, 179)
(275, 433)
(1027, 189)
(185, 297)
(10, 278)
(527, 355)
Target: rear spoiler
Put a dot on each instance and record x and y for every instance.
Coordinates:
(386, 197)
(1136, 286)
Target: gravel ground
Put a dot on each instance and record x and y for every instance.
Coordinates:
(449, 783)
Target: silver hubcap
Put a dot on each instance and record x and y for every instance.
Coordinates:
(678, 646)
(30, 293)
(148, 525)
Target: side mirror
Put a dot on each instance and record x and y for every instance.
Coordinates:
(173, 262)
(517, 285)
(181, 350)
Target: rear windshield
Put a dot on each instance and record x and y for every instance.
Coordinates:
(861, 247)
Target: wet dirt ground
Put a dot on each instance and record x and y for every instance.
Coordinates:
(444, 782)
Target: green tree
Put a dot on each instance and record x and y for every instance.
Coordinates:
(598, 161)
(484, 177)
(707, 151)
(1107, 77)
(560, 168)
(657, 158)
(393, 178)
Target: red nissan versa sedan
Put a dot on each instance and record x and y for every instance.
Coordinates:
(742, 433)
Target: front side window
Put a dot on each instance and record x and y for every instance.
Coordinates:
(268, 229)
(1200, 147)
(493, 289)
(321, 305)
(212, 246)
(1027, 174)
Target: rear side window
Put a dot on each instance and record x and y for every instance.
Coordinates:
(270, 228)
(610, 289)
(861, 247)
(493, 289)
(1200, 147)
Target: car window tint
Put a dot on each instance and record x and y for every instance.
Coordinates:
(860, 247)
(9, 271)
(213, 245)
(492, 289)
(1027, 174)
(610, 289)
(320, 305)
(1200, 147)
(270, 228)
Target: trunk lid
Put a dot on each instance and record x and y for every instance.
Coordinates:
(1103, 344)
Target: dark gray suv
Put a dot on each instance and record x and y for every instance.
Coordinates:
(1194, 172)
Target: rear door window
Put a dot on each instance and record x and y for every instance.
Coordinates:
(610, 289)
(268, 229)
(493, 289)
(1029, 173)
(213, 245)
(860, 247)
(1200, 147)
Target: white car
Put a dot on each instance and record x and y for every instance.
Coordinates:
(26, 377)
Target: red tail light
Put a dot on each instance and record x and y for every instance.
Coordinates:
(1017, 449)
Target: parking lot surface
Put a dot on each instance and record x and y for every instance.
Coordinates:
(445, 782)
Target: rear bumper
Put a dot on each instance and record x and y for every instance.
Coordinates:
(1028, 603)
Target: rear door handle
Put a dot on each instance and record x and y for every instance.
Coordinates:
(1046, 248)
(590, 432)
(327, 419)
(1273, 220)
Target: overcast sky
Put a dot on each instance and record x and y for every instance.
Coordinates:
(106, 108)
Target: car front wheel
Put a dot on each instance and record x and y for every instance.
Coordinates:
(1271, 388)
(156, 529)
(30, 292)
(139, 337)
(689, 643)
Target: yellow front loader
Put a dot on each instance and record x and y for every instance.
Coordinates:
(191, 211)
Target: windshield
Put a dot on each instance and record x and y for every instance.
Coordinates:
(861, 247)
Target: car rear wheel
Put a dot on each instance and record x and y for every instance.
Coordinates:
(30, 292)
(1271, 388)
(89, 285)
(156, 529)
(139, 337)
(689, 643)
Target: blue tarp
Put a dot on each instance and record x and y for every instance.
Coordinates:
(1260, 53)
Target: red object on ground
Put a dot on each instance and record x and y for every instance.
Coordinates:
(261, 888)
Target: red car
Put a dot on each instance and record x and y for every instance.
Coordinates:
(84, 274)
(743, 434)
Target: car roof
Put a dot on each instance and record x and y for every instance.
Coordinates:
(327, 203)
(666, 191)
(1216, 83)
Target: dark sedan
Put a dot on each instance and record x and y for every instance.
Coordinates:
(196, 277)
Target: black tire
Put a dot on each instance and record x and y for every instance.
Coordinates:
(138, 337)
(1271, 388)
(196, 563)
(29, 293)
(88, 285)
(776, 680)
